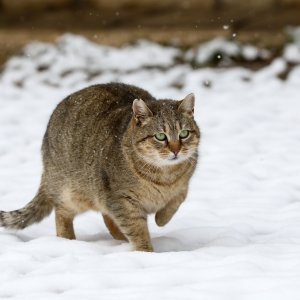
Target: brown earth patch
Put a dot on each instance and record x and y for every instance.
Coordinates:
(184, 27)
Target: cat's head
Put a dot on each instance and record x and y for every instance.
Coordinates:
(164, 132)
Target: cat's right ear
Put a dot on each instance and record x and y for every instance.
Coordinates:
(186, 106)
(141, 112)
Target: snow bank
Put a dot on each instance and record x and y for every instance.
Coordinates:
(220, 49)
(75, 59)
(238, 234)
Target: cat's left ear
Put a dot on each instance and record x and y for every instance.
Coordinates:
(186, 106)
(141, 112)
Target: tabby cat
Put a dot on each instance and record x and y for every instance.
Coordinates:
(114, 148)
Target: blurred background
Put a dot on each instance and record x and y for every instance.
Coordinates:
(183, 23)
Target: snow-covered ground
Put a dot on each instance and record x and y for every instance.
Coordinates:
(237, 236)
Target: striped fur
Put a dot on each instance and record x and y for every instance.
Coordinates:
(33, 212)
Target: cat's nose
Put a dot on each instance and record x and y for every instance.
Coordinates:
(174, 147)
(175, 152)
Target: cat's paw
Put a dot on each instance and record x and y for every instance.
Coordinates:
(161, 219)
(144, 248)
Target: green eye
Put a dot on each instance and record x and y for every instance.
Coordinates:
(184, 134)
(160, 136)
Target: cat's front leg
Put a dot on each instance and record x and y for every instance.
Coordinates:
(164, 215)
(132, 221)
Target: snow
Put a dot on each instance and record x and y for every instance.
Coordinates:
(237, 236)
(224, 49)
(291, 51)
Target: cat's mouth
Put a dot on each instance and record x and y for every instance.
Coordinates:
(174, 158)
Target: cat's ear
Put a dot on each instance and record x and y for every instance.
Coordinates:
(186, 106)
(141, 111)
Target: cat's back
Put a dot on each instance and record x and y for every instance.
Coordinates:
(105, 98)
(93, 114)
(99, 103)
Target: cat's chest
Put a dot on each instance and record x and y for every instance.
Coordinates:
(154, 197)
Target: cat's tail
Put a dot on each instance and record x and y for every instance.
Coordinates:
(35, 211)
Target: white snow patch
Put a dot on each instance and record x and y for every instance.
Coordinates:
(224, 49)
(74, 59)
(291, 51)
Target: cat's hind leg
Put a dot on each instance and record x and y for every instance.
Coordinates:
(113, 229)
(64, 223)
